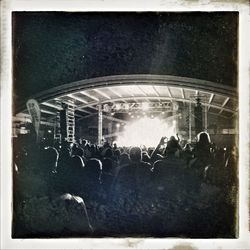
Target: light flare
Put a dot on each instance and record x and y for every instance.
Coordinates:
(146, 131)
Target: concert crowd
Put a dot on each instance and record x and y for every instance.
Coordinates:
(173, 189)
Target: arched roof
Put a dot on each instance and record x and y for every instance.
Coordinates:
(85, 95)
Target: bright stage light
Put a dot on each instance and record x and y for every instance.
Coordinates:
(145, 131)
(145, 106)
(126, 105)
(118, 106)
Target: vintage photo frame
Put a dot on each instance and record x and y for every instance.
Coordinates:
(242, 242)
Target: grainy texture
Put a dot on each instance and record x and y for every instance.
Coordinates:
(51, 49)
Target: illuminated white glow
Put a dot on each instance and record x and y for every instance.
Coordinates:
(145, 131)
(118, 106)
(126, 106)
(145, 106)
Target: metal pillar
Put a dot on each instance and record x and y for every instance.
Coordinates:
(99, 124)
(190, 122)
(205, 107)
(175, 112)
(55, 127)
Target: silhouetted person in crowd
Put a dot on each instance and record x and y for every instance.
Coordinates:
(170, 168)
(146, 157)
(172, 145)
(135, 155)
(163, 191)
(231, 163)
(46, 212)
(202, 154)
(187, 153)
(124, 161)
(75, 176)
(107, 153)
(116, 156)
(107, 174)
(140, 169)
(132, 192)
(202, 147)
(92, 179)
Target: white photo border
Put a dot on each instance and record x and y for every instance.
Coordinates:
(7, 7)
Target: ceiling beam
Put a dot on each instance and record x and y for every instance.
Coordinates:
(85, 111)
(210, 101)
(89, 95)
(163, 98)
(142, 90)
(144, 93)
(128, 90)
(92, 107)
(225, 102)
(211, 98)
(102, 94)
(156, 91)
(77, 98)
(115, 92)
(64, 101)
(114, 119)
(223, 105)
(48, 112)
(57, 107)
(182, 93)
(169, 93)
(77, 115)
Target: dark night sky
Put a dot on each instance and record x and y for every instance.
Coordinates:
(55, 48)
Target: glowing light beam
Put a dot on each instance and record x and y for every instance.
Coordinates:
(146, 131)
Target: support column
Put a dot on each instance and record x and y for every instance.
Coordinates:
(99, 124)
(205, 111)
(190, 122)
(176, 117)
(198, 116)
